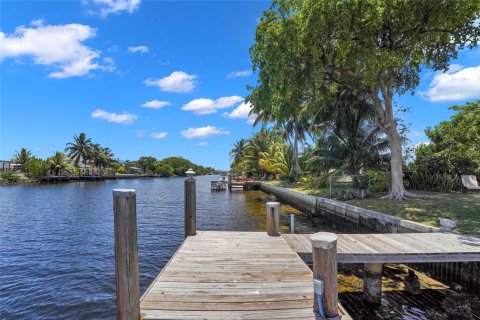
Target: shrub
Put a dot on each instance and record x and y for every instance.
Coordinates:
(378, 180)
(10, 176)
(36, 167)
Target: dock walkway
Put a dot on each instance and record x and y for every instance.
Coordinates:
(395, 247)
(232, 275)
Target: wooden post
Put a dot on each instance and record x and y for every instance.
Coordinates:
(273, 218)
(190, 208)
(229, 182)
(372, 282)
(126, 254)
(324, 245)
(292, 223)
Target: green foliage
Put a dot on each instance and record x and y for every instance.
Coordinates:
(164, 170)
(305, 51)
(121, 169)
(454, 151)
(10, 176)
(22, 157)
(56, 162)
(147, 164)
(378, 180)
(36, 168)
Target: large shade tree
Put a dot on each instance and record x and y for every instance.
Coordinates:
(376, 46)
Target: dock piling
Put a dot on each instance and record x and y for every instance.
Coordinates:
(324, 246)
(372, 282)
(190, 205)
(273, 218)
(126, 254)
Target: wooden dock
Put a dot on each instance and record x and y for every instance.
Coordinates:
(232, 275)
(395, 247)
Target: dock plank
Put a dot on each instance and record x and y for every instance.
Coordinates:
(395, 247)
(232, 275)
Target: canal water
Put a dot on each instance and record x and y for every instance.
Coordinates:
(57, 243)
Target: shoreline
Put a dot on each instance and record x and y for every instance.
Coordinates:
(25, 181)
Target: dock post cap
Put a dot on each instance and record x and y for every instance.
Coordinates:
(273, 203)
(190, 173)
(124, 193)
(323, 240)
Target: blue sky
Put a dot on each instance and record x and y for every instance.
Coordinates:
(157, 78)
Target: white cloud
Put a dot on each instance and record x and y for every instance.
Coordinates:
(178, 81)
(58, 46)
(141, 49)
(239, 74)
(159, 135)
(203, 132)
(242, 112)
(456, 84)
(123, 118)
(115, 6)
(202, 144)
(155, 104)
(208, 106)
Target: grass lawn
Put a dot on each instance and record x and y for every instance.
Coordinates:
(465, 208)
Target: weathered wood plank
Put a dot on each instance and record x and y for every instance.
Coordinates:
(396, 247)
(238, 275)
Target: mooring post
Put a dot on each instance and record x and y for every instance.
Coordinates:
(292, 223)
(126, 254)
(324, 245)
(190, 205)
(372, 282)
(273, 218)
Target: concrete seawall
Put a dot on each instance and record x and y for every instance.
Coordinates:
(467, 274)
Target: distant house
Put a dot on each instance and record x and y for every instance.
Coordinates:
(134, 170)
(6, 165)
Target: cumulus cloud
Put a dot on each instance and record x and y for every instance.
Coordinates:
(58, 46)
(178, 81)
(115, 6)
(242, 112)
(123, 118)
(239, 74)
(141, 49)
(203, 132)
(155, 104)
(208, 106)
(159, 135)
(202, 144)
(457, 83)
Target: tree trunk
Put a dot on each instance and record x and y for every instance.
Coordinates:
(295, 152)
(397, 190)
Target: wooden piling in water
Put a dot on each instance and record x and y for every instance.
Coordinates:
(190, 208)
(126, 254)
(372, 282)
(324, 245)
(273, 218)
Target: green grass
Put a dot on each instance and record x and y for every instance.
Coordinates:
(465, 208)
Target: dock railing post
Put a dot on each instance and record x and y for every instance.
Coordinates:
(324, 249)
(190, 205)
(273, 218)
(126, 254)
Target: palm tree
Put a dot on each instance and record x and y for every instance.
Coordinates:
(101, 157)
(238, 152)
(80, 150)
(57, 162)
(296, 127)
(22, 157)
(273, 160)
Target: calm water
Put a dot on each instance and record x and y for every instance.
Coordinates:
(56, 241)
